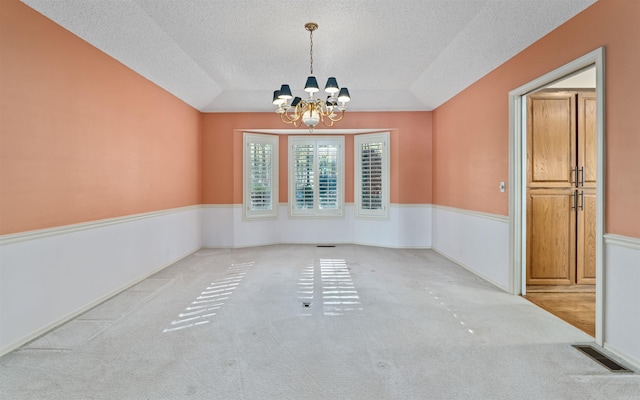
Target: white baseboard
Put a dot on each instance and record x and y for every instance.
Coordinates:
(624, 358)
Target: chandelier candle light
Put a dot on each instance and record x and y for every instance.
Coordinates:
(312, 111)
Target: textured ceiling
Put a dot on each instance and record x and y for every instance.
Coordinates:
(220, 55)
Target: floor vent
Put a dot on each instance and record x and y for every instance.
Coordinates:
(601, 358)
(326, 245)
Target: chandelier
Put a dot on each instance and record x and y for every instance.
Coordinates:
(312, 111)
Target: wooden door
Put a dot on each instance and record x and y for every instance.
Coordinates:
(551, 179)
(587, 140)
(551, 236)
(586, 163)
(561, 181)
(551, 139)
(586, 237)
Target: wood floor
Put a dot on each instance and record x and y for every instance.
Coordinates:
(577, 308)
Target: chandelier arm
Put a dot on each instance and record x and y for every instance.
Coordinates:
(336, 119)
(299, 110)
(286, 119)
(289, 118)
(324, 122)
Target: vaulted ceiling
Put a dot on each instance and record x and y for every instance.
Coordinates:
(229, 56)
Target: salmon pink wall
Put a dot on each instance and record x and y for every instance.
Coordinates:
(471, 131)
(410, 153)
(82, 137)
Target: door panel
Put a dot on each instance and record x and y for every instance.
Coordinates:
(587, 138)
(551, 138)
(551, 236)
(586, 220)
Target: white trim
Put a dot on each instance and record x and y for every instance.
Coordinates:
(624, 358)
(222, 205)
(517, 135)
(495, 217)
(389, 246)
(622, 241)
(412, 205)
(64, 229)
(317, 131)
(284, 203)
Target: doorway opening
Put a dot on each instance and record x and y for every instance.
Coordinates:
(532, 187)
(560, 201)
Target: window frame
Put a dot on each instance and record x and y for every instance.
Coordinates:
(339, 142)
(358, 142)
(247, 162)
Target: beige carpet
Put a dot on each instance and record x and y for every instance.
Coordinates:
(301, 322)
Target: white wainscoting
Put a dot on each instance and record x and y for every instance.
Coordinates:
(408, 226)
(475, 240)
(49, 276)
(622, 297)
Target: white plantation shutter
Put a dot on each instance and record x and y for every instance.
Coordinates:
(260, 176)
(328, 176)
(316, 176)
(372, 175)
(304, 161)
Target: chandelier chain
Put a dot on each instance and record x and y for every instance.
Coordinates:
(311, 50)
